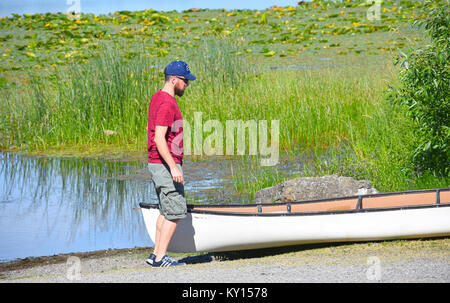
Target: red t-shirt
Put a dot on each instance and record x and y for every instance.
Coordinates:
(164, 111)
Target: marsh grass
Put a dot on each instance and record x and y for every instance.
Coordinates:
(106, 100)
(337, 114)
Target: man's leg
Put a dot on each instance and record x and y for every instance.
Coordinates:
(172, 207)
(158, 232)
(165, 235)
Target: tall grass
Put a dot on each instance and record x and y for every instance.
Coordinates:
(80, 104)
(109, 94)
(104, 102)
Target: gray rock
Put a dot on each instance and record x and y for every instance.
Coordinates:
(314, 188)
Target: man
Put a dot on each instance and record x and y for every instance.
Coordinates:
(165, 158)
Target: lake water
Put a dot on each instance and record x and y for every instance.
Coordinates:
(52, 206)
(7, 7)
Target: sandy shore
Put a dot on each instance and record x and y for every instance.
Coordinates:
(387, 261)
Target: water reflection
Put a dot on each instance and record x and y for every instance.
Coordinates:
(55, 205)
(51, 206)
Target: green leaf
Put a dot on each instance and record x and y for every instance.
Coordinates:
(263, 19)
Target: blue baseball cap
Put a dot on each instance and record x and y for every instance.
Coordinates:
(179, 68)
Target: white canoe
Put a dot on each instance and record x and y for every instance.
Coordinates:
(399, 215)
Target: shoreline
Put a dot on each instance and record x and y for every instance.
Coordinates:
(29, 262)
(418, 260)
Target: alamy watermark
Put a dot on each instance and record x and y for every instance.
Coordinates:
(74, 11)
(374, 11)
(73, 272)
(228, 139)
(373, 272)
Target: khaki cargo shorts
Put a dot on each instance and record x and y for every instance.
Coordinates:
(172, 203)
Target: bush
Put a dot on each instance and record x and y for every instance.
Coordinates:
(425, 90)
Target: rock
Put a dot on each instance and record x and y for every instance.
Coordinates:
(314, 188)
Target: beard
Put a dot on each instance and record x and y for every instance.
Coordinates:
(179, 92)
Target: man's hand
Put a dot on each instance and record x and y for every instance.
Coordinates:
(177, 176)
(163, 149)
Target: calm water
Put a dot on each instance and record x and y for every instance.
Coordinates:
(7, 7)
(54, 205)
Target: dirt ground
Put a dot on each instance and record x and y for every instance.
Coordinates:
(423, 260)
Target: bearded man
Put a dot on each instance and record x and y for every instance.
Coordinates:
(165, 158)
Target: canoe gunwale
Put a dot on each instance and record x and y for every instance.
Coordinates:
(280, 214)
(357, 209)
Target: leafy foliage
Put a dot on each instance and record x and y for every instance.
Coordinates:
(425, 90)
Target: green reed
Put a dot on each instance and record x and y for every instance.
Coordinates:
(340, 110)
(106, 100)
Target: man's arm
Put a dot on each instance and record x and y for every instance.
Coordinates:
(163, 149)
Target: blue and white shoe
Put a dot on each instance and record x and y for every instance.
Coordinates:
(166, 261)
(151, 259)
